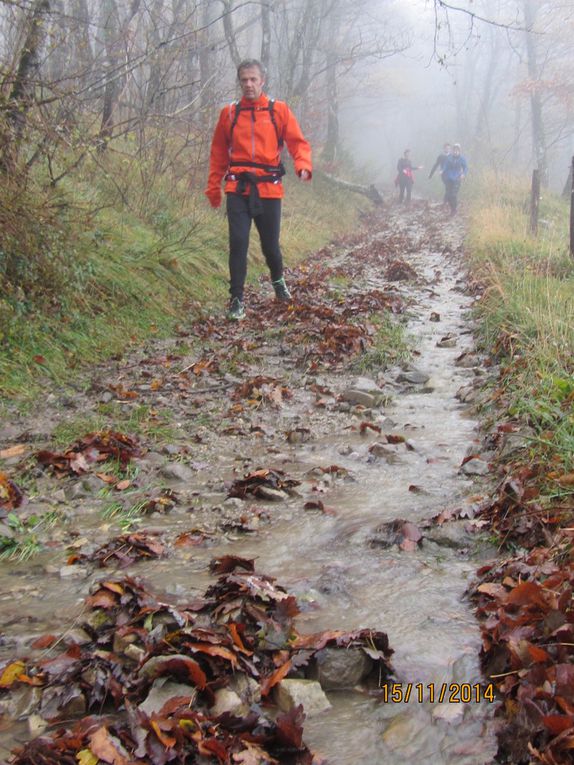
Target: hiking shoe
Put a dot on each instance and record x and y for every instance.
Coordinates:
(281, 291)
(236, 310)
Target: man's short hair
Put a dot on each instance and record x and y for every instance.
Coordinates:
(249, 63)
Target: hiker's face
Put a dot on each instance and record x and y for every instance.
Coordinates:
(251, 81)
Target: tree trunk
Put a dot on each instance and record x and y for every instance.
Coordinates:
(538, 133)
(113, 81)
(329, 153)
(229, 32)
(356, 188)
(22, 94)
(265, 36)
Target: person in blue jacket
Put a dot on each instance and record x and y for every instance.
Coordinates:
(439, 165)
(454, 170)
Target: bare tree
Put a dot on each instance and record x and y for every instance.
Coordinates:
(24, 82)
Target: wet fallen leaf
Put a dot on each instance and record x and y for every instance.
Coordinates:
(11, 496)
(108, 748)
(10, 673)
(86, 757)
(13, 451)
(45, 641)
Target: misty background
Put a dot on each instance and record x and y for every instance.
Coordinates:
(366, 78)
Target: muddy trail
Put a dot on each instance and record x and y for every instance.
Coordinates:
(292, 450)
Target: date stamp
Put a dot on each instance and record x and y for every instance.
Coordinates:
(437, 693)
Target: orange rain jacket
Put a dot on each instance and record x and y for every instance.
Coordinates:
(254, 139)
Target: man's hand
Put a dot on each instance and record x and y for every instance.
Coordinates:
(214, 197)
(305, 175)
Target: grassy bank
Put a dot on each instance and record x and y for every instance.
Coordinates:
(105, 261)
(524, 600)
(526, 315)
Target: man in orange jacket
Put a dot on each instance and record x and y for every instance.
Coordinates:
(246, 152)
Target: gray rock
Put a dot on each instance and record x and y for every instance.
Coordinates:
(135, 653)
(383, 451)
(447, 342)
(367, 385)
(234, 502)
(475, 466)
(152, 460)
(513, 443)
(360, 397)
(413, 376)
(467, 360)
(274, 495)
(341, 668)
(246, 688)
(76, 636)
(452, 534)
(36, 725)
(289, 693)
(73, 572)
(466, 394)
(227, 700)
(177, 471)
(21, 702)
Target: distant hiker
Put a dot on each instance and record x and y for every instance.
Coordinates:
(454, 170)
(246, 153)
(405, 176)
(439, 165)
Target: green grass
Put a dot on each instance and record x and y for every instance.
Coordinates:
(125, 264)
(139, 420)
(390, 346)
(24, 543)
(525, 317)
(126, 518)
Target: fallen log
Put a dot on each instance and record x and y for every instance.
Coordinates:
(368, 191)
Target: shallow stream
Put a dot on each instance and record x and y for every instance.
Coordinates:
(343, 574)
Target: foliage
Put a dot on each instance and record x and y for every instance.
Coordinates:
(99, 257)
(20, 537)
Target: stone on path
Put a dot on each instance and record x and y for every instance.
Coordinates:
(291, 692)
(337, 669)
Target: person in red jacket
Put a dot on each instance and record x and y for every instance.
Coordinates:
(246, 153)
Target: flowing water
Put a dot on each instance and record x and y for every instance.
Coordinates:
(342, 575)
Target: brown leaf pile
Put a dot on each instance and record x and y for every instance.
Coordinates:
(527, 614)
(242, 627)
(123, 550)
(93, 448)
(262, 389)
(254, 483)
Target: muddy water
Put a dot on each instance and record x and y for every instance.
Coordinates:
(336, 565)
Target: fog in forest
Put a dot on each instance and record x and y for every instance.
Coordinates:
(367, 79)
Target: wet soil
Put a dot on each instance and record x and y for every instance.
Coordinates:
(375, 452)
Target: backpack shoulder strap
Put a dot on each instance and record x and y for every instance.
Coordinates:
(271, 108)
(235, 108)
